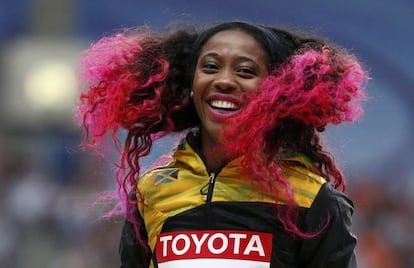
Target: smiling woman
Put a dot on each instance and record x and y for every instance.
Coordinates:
(250, 185)
(231, 63)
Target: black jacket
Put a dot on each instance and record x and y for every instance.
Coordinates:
(190, 217)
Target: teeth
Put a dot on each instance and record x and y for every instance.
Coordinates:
(220, 104)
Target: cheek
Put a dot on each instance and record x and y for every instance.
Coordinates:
(253, 85)
(199, 83)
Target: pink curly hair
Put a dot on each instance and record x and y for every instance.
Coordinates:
(125, 77)
(313, 89)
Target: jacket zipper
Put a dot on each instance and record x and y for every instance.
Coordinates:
(209, 198)
(208, 188)
(211, 183)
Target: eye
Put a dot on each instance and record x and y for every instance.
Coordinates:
(210, 67)
(246, 72)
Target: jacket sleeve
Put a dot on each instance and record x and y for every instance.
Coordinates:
(330, 214)
(134, 253)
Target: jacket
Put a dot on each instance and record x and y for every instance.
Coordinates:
(190, 218)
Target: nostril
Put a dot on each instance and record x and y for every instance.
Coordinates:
(225, 84)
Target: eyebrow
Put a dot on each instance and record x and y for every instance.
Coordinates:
(243, 58)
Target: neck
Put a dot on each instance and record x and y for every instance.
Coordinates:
(213, 152)
(214, 157)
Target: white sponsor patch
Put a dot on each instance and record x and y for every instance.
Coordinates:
(228, 249)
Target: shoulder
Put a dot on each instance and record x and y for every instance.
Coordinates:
(300, 173)
(333, 201)
(306, 184)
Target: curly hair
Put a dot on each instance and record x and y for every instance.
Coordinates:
(317, 86)
(140, 80)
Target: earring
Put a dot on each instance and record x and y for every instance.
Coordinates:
(191, 94)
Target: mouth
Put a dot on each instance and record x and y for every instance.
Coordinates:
(224, 105)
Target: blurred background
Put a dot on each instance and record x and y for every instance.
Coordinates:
(48, 185)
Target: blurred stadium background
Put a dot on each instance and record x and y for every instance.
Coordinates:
(47, 185)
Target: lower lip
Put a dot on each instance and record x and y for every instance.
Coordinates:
(221, 115)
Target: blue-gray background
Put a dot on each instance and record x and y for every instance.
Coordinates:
(47, 184)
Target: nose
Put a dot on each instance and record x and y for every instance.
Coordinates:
(225, 81)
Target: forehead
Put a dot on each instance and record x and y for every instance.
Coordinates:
(234, 41)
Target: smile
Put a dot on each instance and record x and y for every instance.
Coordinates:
(223, 105)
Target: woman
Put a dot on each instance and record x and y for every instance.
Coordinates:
(250, 185)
